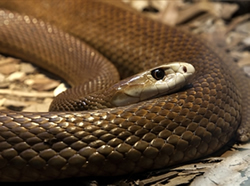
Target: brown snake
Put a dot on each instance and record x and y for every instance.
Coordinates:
(115, 141)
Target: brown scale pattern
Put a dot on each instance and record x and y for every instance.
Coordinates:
(149, 135)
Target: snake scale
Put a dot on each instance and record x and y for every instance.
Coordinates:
(153, 134)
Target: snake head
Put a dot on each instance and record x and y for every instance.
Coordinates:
(155, 82)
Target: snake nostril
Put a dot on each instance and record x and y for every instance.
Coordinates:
(184, 69)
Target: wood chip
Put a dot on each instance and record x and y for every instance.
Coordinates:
(42, 83)
(39, 107)
(8, 60)
(245, 59)
(9, 68)
(13, 103)
(244, 28)
(16, 76)
(2, 78)
(61, 88)
(27, 68)
(157, 179)
(26, 94)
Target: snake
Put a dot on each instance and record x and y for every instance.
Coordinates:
(152, 134)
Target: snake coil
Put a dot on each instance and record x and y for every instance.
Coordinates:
(149, 135)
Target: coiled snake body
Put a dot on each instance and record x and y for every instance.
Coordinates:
(149, 135)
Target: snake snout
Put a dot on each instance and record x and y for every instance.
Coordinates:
(186, 68)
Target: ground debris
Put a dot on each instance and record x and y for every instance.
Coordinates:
(23, 87)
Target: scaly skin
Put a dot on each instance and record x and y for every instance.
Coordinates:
(149, 135)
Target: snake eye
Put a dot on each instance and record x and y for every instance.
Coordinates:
(158, 73)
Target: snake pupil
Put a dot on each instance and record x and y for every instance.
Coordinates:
(158, 73)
